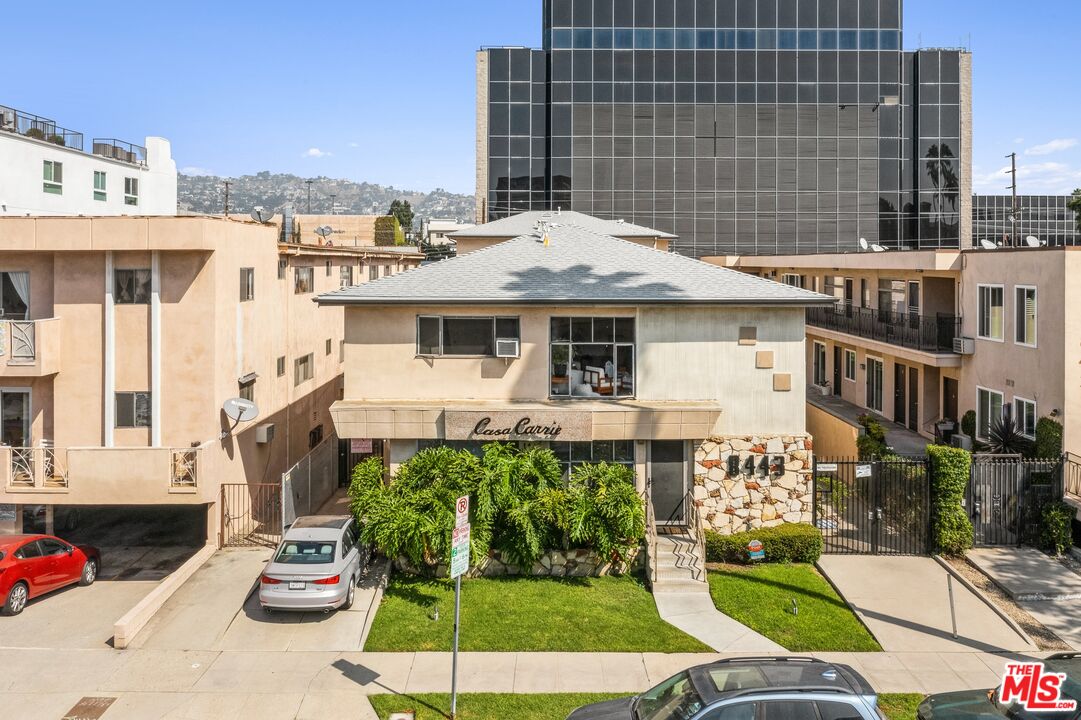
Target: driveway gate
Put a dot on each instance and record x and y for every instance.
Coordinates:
(1006, 495)
(877, 507)
(251, 514)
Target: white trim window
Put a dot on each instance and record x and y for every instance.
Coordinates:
(819, 364)
(52, 175)
(303, 280)
(990, 313)
(792, 279)
(99, 186)
(1024, 413)
(247, 284)
(850, 365)
(875, 374)
(1024, 315)
(988, 410)
(449, 336)
(131, 191)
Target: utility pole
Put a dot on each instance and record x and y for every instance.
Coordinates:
(309, 196)
(1013, 188)
(227, 184)
(332, 203)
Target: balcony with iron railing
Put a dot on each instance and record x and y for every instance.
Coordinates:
(38, 128)
(29, 348)
(98, 475)
(119, 150)
(907, 330)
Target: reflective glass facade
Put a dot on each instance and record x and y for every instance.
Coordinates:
(1044, 216)
(743, 126)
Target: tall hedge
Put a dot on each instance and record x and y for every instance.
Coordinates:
(387, 230)
(951, 529)
(794, 542)
(1048, 438)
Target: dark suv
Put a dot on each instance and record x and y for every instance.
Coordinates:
(752, 688)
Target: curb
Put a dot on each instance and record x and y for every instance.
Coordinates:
(377, 598)
(986, 600)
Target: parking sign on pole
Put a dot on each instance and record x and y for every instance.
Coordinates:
(459, 564)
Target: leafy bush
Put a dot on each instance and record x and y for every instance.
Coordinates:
(1048, 438)
(951, 529)
(388, 231)
(519, 505)
(871, 443)
(36, 133)
(968, 424)
(792, 542)
(1056, 527)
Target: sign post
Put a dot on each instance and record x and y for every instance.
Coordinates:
(459, 564)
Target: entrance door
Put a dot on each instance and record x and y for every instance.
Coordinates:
(837, 358)
(899, 404)
(668, 481)
(15, 418)
(913, 399)
(949, 399)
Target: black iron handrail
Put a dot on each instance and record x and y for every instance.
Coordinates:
(909, 330)
(39, 128)
(119, 150)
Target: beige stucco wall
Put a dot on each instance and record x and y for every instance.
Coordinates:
(833, 437)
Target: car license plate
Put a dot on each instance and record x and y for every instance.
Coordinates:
(297, 585)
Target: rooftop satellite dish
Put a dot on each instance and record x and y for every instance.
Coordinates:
(863, 244)
(878, 248)
(260, 214)
(323, 230)
(1033, 241)
(240, 410)
(987, 244)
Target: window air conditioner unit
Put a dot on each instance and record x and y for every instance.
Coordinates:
(507, 347)
(264, 433)
(964, 346)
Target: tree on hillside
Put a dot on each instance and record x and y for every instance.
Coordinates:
(1075, 205)
(404, 212)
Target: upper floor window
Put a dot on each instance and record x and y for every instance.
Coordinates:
(592, 356)
(14, 295)
(132, 286)
(283, 265)
(303, 368)
(373, 272)
(989, 312)
(792, 279)
(346, 275)
(53, 177)
(132, 409)
(247, 386)
(247, 284)
(304, 281)
(850, 365)
(131, 191)
(1024, 321)
(463, 336)
(99, 186)
(328, 268)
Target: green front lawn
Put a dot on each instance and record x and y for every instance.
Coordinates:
(760, 597)
(493, 706)
(608, 614)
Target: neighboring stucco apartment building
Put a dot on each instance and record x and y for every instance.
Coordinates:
(51, 170)
(122, 338)
(602, 348)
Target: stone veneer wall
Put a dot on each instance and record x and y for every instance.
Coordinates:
(745, 502)
(553, 563)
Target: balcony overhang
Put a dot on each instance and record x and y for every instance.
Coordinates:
(932, 359)
(928, 261)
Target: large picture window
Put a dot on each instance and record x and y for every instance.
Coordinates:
(592, 356)
(439, 335)
(990, 312)
(1024, 309)
(988, 410)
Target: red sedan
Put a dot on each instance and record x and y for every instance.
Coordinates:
(32, 565)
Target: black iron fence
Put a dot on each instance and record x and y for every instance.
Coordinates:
(878, 507)
(119, 150)
(39, 128)
(1072, 475)
(916, 332)
(1007, 495)
(251, 514)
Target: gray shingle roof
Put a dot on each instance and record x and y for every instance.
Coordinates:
(523, 223)
(578, 266)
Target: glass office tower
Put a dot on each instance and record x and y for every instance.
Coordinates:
(1045, 217)
(743, 126)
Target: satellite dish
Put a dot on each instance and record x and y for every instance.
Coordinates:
(878, 248)
(260, 214)
(1033, 241)
(240, 410)
(323, 230)
(987, 244)
(863, 244)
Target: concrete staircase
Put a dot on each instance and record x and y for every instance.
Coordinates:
(680, 568)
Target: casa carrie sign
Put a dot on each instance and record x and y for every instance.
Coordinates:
(517, 425)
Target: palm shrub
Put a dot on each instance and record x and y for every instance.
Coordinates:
(1004, 438)
(951, 529)
(605, 510)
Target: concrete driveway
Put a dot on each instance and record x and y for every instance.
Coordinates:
(217, 610)
(904, 602)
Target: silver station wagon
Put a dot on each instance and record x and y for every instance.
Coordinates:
(316, 567)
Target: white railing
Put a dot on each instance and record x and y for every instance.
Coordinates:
(38, 467)
(94, 469)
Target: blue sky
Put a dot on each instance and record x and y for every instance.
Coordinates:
(384, 91)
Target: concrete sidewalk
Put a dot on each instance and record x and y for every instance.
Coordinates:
(695, 614)
(904, 602)
(152, 684)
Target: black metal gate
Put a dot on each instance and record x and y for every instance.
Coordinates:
(251, 514)
(877, 507)
(1006, 496)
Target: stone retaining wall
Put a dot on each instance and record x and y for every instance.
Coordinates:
(731, 504)
(553, 563)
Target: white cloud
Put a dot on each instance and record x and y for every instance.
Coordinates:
(315, 152)
(1054, 146)
(354, 144)
(194, 170)
(1044, 178)
(1018, 141)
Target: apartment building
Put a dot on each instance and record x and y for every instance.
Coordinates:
(123, 337)
(51, 170)
(921, 338)
(1047, 218)
(602, 349)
